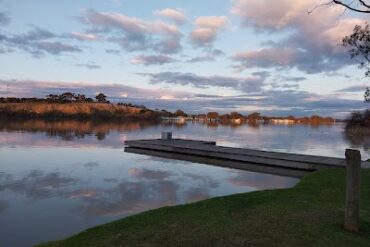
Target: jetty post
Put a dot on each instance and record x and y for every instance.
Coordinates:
(353, 185)
(166, 136)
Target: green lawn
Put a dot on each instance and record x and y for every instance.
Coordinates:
(310, 214)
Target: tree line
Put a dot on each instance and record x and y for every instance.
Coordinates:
(66, 97)
(252, 117)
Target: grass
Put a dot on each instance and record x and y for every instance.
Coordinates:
(310, 214)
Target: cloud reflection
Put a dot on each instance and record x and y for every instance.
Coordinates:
(4, 206)
(36, 184)
(148, 174)
(261, 181)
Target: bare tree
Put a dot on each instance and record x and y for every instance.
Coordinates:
(359, 40)
(362, 6)
(367, 95)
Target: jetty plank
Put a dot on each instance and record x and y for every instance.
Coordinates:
(248, 156)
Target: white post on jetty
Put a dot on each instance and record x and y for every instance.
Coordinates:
(353, 186)
(166, 136)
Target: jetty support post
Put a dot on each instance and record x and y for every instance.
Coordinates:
(167, 136)
(353, 185)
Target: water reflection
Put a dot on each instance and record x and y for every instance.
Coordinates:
(36, 184)
(359, 138)
(4, 205)
(326, 140)
(70, 130)
(76, 173)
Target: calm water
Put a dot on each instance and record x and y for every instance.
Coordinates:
(59, 178)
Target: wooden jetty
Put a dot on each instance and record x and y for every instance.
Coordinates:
(287, 164)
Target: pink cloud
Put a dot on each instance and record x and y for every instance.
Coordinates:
(177, 16)
(207, 29)
(135, 33)
(312, 41)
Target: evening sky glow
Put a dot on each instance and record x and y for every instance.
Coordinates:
(241, 55)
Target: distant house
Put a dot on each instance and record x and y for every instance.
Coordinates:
(236, 120)
(282, 121)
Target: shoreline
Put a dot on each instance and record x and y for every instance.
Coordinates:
(309, 214)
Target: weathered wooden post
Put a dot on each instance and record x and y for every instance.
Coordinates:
(353, 185)
(166, 136)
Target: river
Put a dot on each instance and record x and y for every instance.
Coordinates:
(58, 178)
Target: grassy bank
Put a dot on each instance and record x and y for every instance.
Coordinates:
(59, 111)
(310, 214)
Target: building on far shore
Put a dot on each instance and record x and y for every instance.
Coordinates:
(282, 121)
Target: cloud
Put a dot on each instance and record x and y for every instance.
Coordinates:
(152, 60)
(353, 89)
(250, 84)
(55, 48)
(267, 57)
(89, 65)
(4, 19)
(134, 34)
(113, 51)
(207, 29)
(210, 55)
(84, 36)
(176, 15)
(311, 42)
(28, 88)
(293, 78)
(37, 42)
(276, 85)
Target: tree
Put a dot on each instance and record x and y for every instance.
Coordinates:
(180, 113)
(359, 40)
(67, 96)
(52, 97)
(254, 116)
(80, 97)
(367, 95)
(101, 98)
(355, 5)
(235, 115)
(359, 44)
(213, 115)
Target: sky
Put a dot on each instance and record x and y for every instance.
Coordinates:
(208, 55)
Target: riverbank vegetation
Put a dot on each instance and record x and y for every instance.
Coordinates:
(358, 123)
(78, 106)
(310, 214)
(82, 111)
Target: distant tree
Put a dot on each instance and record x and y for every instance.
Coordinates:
(235, 115)
(89, 100)
(254, 116)
(80, 97)
(225, 117)
(52, 97)
(367, 95)
(180, 113)
(213, 115)
(101, 98)
(66, 97)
